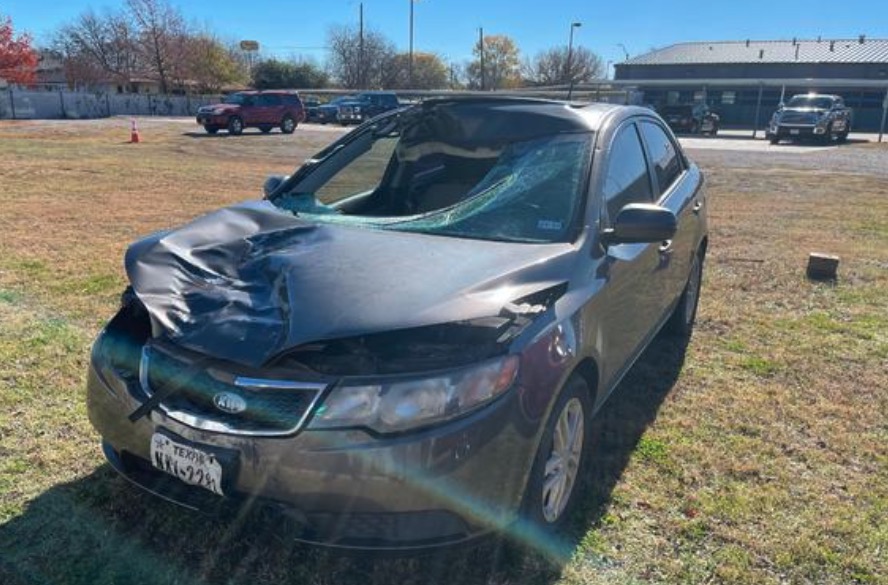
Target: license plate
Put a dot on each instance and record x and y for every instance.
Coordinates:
(193, 466)
(794, 131)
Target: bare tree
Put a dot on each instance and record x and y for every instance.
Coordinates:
(356, 64)
(162, 35)
(95, 46)
(550, 67)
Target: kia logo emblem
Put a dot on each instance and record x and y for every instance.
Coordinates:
(229, 402)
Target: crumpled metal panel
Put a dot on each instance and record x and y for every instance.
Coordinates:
(247, 282)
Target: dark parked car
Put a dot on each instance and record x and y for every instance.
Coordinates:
(823, 117)
(259, 109)
(326, 113)
(365, 106)
(693, 119)
(311, 105)
(406, 342)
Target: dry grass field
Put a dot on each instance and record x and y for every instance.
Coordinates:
(760, 456)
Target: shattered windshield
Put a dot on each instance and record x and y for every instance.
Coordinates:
(445, 176)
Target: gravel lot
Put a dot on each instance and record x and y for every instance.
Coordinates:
(855, 157)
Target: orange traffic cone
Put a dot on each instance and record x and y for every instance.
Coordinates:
(134, 134)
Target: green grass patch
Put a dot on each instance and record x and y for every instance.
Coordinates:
(759, 366)
(760, 456)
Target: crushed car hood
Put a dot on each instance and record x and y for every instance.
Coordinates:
(248, 282)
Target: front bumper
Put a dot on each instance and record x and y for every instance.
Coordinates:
(796, 131)
(346, 488)
(211, 120)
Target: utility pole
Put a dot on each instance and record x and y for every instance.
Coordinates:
(361, 45)
(481, 46)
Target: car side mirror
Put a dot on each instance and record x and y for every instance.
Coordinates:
(641, 223)
(272, 183)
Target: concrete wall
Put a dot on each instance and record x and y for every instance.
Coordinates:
(27, 104)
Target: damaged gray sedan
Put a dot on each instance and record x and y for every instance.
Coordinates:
(405, 342)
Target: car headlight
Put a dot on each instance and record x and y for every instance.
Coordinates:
(402, 404)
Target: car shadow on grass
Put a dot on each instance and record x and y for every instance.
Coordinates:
(100, 529)
(246, 134)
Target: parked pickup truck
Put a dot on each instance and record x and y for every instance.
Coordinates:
(822, 117)
(366, 105)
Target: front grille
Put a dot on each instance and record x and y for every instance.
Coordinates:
(271, 407)
(806, 118)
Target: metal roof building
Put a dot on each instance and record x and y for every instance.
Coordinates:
(740, 78)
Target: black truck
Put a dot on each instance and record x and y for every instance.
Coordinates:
(366, 105)
(811, 116)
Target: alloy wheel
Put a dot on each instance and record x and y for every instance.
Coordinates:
(693, 291)
(562, 465)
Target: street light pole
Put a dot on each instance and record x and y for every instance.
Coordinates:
(481, 47)
(570, 44)
(410, 61)
(361, 45)
(625, 52)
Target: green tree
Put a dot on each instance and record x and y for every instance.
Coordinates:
(499, 54)
(210, 64)
(276, 74)
(429, 72)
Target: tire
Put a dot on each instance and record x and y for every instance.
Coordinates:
(235, 126)
(681, 323)
(774, 139)
(555, 485)
(265, 129)
(288, 125)
(714, 130)
(211, 129)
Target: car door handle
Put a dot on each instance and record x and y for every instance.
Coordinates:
(698, 206)
(666, 247)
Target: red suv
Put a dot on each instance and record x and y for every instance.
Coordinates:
(259, 109)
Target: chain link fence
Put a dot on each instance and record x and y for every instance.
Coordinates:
(24, 104)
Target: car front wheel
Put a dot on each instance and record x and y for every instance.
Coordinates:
(560, 464)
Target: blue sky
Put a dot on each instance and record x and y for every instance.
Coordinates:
(450, 27)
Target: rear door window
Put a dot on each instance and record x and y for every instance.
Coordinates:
(665, 160)
(269, 100)
(627, 179)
